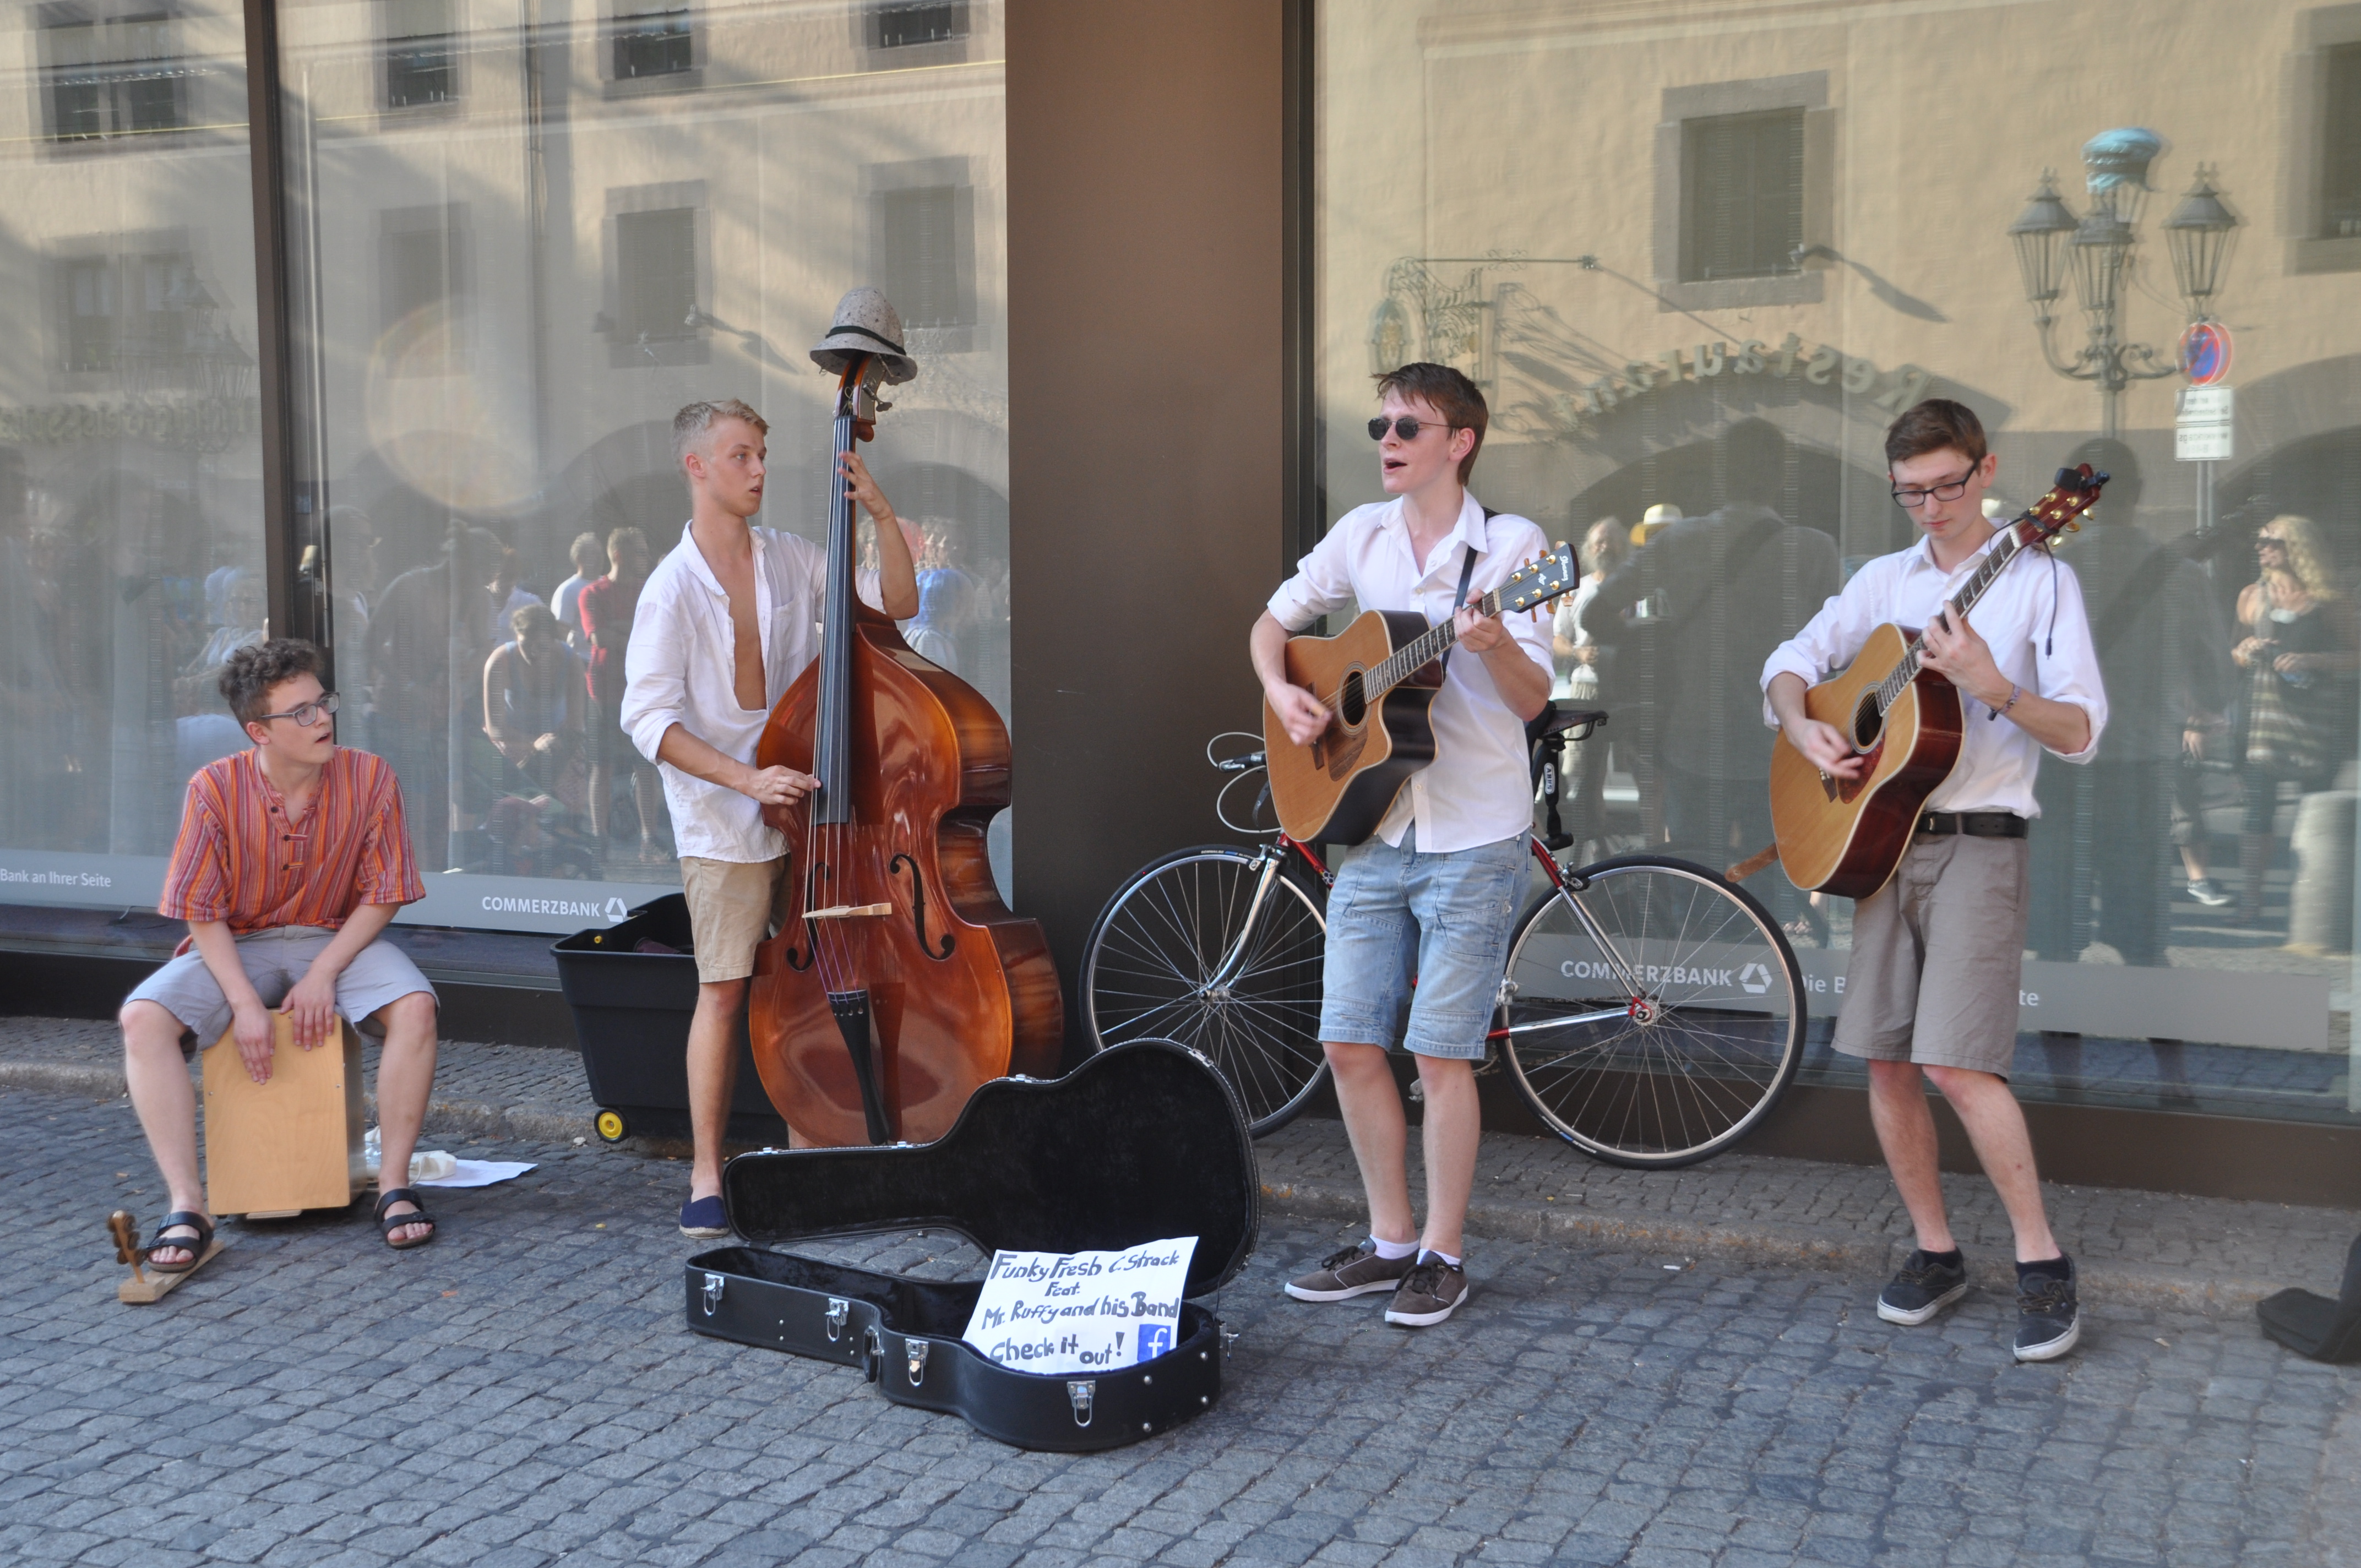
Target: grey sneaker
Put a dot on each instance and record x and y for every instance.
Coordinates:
(2049, 1316)
(1922, 1289)
(1355, 1271)
(2205, 892)
(1428, 1294)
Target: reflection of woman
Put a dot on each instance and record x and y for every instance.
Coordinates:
(2299, 646)
(1583, 666)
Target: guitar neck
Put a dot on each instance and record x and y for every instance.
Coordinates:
(1419, 652)
(2006, 549)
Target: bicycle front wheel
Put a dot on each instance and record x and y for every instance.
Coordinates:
(1661, 1030)
(1221, 949)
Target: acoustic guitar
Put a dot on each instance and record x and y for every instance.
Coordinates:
(1846, 836)
(1377, 678)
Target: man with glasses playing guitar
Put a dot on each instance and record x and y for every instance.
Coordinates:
(1931, 991)
(1438, 881)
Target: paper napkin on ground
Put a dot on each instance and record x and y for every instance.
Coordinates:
(1083, 1312)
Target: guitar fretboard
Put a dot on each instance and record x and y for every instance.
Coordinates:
(2006, 548)
(1422, 651)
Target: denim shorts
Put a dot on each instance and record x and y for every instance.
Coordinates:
(1445, 918)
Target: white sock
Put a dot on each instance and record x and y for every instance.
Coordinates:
(1393, 1252)
(1439, 1256)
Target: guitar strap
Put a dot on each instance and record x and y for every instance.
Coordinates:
(1466, 576)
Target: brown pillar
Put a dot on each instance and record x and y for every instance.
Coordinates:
(1149, 450)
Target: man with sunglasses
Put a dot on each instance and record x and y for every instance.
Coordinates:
(1438, 883)
(1931, 990)
(292, 859)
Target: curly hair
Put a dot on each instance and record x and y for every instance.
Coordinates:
(2307, 556)
(248, 674)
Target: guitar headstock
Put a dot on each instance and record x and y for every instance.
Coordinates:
(2060, 511)
(1537, 581)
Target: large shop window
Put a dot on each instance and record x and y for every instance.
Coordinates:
(1691, 360)
(130, 497)
(492, 325)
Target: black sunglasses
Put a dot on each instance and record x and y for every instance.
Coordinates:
(1406, 427)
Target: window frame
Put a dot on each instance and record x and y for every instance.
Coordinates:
(1808, 92)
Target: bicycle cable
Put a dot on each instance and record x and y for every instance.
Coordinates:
(1243, 766)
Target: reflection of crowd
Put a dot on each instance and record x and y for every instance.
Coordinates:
(531, 707)
(2234, 704)
(1681, 630)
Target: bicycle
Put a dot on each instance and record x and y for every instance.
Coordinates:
(1651, 1012)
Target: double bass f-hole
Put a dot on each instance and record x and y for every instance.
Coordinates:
(800, 959)
(918, 906)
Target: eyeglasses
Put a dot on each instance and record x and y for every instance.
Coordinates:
(1406, 427)
(1948, 490)
(306, 713)
(2263, 539)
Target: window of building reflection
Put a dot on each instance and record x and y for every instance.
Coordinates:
(130, 532)
(1691, 358)
(497, 323)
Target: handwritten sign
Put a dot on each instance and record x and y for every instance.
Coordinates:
(1083, 1312)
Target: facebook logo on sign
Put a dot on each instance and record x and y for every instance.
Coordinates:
(1154, 1339)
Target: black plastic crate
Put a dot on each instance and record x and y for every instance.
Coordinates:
(631, 1012)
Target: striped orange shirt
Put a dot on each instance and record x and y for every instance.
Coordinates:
(240, 860)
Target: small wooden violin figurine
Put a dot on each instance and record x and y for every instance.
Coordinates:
(899, 981)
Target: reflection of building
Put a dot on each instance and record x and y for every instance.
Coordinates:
(518, 242)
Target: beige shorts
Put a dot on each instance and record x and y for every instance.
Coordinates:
(732, 906)
(1937, 956)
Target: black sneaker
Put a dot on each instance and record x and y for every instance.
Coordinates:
(1924, 1287)
(1355, 1271)
(1428, 1294)
(2049, 1317)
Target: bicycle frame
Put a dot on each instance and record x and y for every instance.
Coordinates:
(1563, 883)
(1273, 856)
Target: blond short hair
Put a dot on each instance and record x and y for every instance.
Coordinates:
(692, 428)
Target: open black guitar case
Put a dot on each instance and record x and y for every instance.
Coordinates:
(2316, 1326)
(1142, 1141)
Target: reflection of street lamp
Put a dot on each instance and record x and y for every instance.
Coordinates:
(2099, 252)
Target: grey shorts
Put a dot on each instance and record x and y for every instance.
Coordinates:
(275, 960)
(1937, 956)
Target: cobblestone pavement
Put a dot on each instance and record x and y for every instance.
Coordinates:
(523, 1391)
(2172, 1249)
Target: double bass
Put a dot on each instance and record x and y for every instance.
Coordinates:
(898, 981)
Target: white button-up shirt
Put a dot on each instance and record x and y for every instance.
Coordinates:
(681, 668)
(1479, 789)
(2035, 601)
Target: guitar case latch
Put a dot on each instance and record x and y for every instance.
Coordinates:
(1082, 1393)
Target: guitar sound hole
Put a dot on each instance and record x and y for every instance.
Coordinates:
(1353, 703)
(1867, 723)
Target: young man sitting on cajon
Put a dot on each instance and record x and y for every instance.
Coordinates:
(292, 859)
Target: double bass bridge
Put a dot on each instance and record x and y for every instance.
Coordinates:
(848, 911)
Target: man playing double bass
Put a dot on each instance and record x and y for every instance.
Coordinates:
(1441, 877)
(727, 622)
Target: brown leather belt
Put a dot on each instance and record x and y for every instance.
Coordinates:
(1975, 824)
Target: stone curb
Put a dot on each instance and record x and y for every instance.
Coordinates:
(1770, 1242)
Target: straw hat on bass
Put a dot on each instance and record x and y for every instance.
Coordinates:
(866, 323)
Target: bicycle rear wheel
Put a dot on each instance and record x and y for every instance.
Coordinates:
(1675, 1039)
(1183, 952)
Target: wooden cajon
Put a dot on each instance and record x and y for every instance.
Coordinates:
(275, 1149)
